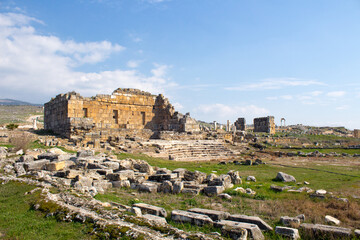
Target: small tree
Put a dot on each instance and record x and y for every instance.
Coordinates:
(12, 126)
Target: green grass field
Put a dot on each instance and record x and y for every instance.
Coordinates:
(19, 221)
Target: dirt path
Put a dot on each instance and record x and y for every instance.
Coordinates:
(31, 118)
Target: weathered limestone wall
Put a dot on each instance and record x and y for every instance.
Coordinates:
(357, 133)
(107, 115)
(56, 114)
(264, 124)
(240, 124)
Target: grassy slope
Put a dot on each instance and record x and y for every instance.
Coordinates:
(18, 221)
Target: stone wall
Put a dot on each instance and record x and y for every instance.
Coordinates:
(72, 115)
(264, 124)
(357, 133)
(240, 124)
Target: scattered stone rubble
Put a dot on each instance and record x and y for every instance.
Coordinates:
(88, 174)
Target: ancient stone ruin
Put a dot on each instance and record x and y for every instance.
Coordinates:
(124, 111)
(240, 124)
(264, 124)
(357, 133)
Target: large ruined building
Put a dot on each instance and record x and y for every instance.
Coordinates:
(125, 111)
(264, 124)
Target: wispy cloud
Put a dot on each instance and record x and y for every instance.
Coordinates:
(274, 83)
(44, 64)
(336, 94)
(133, 63)
(226, 112)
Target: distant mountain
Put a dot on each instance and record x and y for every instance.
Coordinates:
(12, 102)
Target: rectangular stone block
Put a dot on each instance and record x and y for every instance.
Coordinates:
(189, 217)
(36, 165)
(326, 230)
(251, 219)
(213, 214)
(55, 166)
(150, 209)
(252, 229)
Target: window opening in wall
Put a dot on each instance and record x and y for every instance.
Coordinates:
(143, 117)
(115, 116)
(85, 111)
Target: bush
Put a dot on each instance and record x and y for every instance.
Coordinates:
(12, 126)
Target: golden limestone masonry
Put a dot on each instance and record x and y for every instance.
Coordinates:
(124, 112)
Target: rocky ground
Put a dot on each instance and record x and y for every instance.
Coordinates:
(79, 177)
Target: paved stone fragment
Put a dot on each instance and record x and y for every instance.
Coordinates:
(55, 166)
(213, 214)
(150, 209)
(147, 187)
(291, 233)
(236, 233)
(121, 184)
(103, 184)
(253, 230)
(36, 165)
(326, 230)
(162, 177)
(156, 219)
(189, 217)
(213, 190)
(121, 175)
(251, 219)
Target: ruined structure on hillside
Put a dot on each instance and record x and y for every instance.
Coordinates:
(357, 133)
(264, 124)
(124, 111)
(240, 124)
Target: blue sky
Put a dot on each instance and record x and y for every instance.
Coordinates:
(217, 59)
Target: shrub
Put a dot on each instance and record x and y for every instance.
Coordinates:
(12, 126)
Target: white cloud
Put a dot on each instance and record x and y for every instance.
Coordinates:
(274, 83)
(343, 107)
(315, 93)
(336, 94)
(284, 97)
(178, 106)
(287, 97)
(272, 98)
(222, 112)
(35, 66)
(133, 63)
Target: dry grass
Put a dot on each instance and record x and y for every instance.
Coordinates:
(21, 140)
